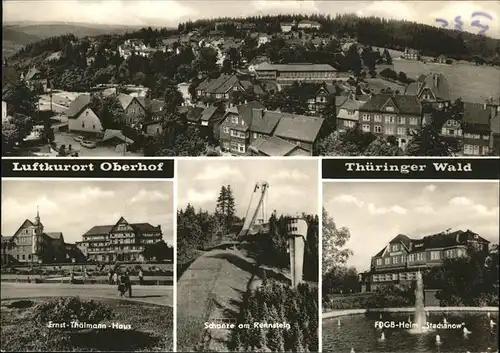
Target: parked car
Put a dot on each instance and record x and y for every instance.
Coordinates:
(88, 144)
(79, 138)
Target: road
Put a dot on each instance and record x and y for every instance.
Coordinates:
(159, 295)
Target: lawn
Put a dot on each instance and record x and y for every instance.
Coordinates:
(151, 329)
(473, 83)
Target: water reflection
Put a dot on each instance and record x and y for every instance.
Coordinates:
(360, 334)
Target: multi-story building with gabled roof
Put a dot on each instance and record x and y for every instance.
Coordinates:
(122, 241)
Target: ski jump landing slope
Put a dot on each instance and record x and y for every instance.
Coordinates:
(211, 289)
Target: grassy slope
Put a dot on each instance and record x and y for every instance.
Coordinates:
(473, 83)
(152, 329)
(208, 290)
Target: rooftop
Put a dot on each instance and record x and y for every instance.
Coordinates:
(295, 67)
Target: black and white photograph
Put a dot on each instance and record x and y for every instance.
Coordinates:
(247, 256)
(87, 265)
(108, 78)
(410, 267)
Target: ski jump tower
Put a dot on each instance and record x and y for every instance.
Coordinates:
(260, 209)
(297, 232)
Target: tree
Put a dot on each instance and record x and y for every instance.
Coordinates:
(470, 280)
(173, 99)
(206, 61)
(428, 141)
(386, 57)
(329, 113)
(334, 240)
(20, 99)
(15, 131)
(109, 110)
(47, 134)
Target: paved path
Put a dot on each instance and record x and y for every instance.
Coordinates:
(159, 295)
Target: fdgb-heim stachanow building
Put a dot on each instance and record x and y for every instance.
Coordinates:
(398, 262)
(31, 244)
(122, 241)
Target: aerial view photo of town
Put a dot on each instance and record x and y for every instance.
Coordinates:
(87, 266)
(270, 78)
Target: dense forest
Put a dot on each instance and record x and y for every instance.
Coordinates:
(274, 303)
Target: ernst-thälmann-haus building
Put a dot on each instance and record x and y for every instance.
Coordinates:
(122, 241)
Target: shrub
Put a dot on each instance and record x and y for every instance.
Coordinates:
(71, 309)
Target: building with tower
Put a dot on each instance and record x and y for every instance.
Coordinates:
(31, 244)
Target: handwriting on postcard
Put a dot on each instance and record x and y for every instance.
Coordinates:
(476, 18)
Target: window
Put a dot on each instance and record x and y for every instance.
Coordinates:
(86, 112)
(486, 137)
(366, 128)
(402, 276)
(377, 129)
(411, 257)
(467, 149)
(387, 261)
(413, 121)
(401, 131)
(395, 247)
(234, 120)
(29, 257)
(349, 123)
(401, 120)
(420, 256)
(477, 136)
(375, 278)
(225, 129)
(366, 117)
(395, 259)
(93, 127)
(23, 257)
(241, 148)
(394, 276)
(379, 262)
(449, 254)
(460, 252)
(378, 118)
(435, 255)
(389, 131)
(476, 149)
(485, 150)
(83, 125)
(157, 130)
(389, 109)
(389, 119)
(403, 259)
(388, 276)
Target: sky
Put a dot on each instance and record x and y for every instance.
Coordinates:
(73, 207)
(171, 12)
(375, 213)
(293, 184)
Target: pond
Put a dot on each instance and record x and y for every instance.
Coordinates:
(358, 332)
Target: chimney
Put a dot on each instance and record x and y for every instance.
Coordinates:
(258, 113)
(485, 106)
(457, 238)
(436, 80)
